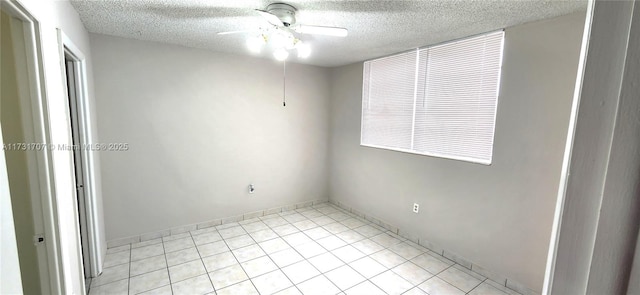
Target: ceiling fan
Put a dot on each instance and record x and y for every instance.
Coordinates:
(282, 20)
(283, 16)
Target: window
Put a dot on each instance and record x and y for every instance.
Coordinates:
(438, 101)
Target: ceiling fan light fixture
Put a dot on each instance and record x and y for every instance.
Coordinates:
(279, 39)
(280, 54)
(281, 33)
(256, 43)
(304, 50)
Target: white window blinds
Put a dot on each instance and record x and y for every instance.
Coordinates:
(439, 101)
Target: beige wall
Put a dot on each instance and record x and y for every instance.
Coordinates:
(201, 127)
(498, 216)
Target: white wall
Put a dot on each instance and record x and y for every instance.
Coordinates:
(498, 216)
(51, 15)
(201, 127)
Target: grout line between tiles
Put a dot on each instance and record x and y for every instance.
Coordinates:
(265, 252)
(164, 252)
(239, 263)
(292, 248)
(129, 274)
(206, 271)
(477, 286)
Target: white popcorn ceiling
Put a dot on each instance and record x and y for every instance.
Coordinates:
(376, 28)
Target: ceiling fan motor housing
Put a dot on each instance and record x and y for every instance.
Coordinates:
(285, 12)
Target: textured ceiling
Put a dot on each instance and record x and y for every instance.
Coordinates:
(376, 28)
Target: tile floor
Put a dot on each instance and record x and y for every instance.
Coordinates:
(313, 250)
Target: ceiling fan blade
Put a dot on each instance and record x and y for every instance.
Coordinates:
(236, 32)
(272, 19)
(320, 30)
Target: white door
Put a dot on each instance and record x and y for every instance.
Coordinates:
(70, 69)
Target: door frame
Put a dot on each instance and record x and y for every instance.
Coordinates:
(595, 229)
(68, 48)
(34, 108)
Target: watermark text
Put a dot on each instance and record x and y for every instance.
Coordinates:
(94, 147)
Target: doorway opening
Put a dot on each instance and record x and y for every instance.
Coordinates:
(86, 218)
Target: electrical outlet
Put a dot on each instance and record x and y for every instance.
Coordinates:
(416, 207)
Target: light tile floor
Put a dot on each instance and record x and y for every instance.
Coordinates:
(313, 250)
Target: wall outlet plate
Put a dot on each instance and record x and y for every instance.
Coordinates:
(416, 207)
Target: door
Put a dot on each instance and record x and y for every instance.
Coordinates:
(72, 91)
(14, 119)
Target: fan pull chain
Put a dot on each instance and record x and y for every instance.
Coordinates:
(284, 83)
